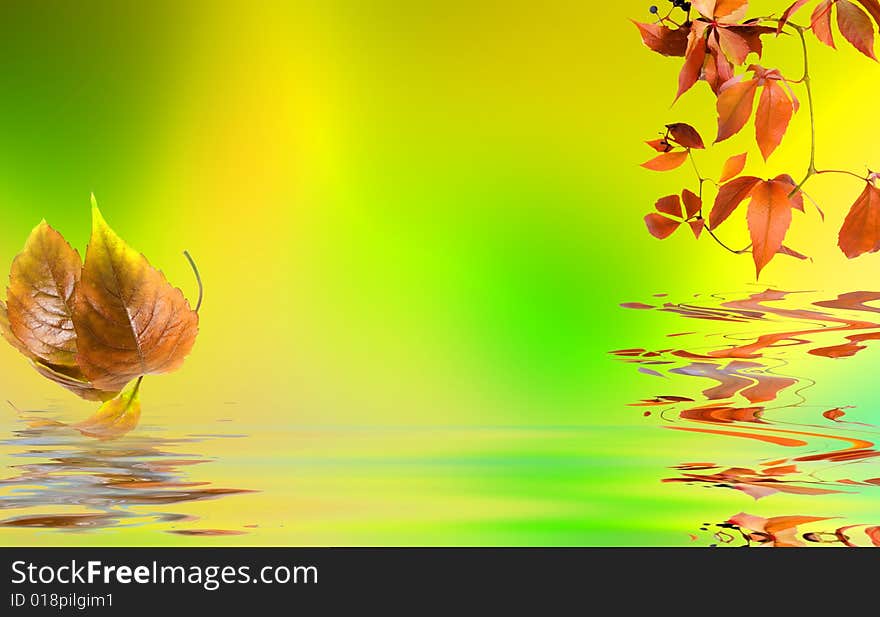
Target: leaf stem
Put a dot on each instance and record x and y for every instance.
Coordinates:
(195, 270)
(701, 180)
(137, 387)
(811, 168)
(840, 171)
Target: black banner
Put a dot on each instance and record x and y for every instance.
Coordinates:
(113, 581)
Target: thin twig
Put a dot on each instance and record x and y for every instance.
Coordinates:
(195, 269)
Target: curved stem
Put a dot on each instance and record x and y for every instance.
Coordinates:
(811, 168)
(711, 233)
(840, 171)
(137, 387)
(195, 269)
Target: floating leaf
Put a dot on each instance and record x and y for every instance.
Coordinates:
(129, 320)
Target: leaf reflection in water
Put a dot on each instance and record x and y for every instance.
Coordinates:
(102, 484)
(807, 453)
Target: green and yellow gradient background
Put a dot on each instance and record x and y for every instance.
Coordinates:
(415, 223)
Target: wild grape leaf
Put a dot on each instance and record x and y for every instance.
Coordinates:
(40, 296)
(663, 40)
(666, 161)
(660, 226)
(820, 22)
(685, 135)
(786, 15)
(768, 217)
(797, 200)
(129, 320)
(670, 204)
(730, 196)
(732, 167)
(856, 27)
(735, 107)
(693, 62)
(722, 11)
(660, 145)
(697, 227)
(772, 117)
(732, 45)
(692, 203)
(73, 380)
(860, 232)
(873, 8)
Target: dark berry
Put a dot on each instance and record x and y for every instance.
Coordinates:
(685, 6)
(653, 9)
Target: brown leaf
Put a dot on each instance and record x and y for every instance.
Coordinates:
(129, 320)
(660, 226)
(72, 379)
(860, 232)
(730, 196)
(786, 15)
(666, 161)
(733, 166)
(856, 27)
(769, 216)
(663, 40)
(670, 205)
(873, 7)
(692, 203)
(820, 22)
(772, 117)
(734, 107)
(40, 296)
(685, 135)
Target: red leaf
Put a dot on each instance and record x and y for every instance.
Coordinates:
(693, 63)
(860, 232)
(752, 36)
(784, 250)
(834, 414)
(772, 117)
(660, 226)
(734, 107)
(856, 27)
(769, 216)
(670, 205)
(786, 15)
(873, 7)
(797, 200)
(874, 534)
(663, 40)
(660, 145)
(733, 166)
(685, 135)
(820, 22)
(666, 161)
(729, 196)
(697, 227)
(692, 203)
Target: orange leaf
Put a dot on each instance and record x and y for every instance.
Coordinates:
(769, 216)
(663, 40)
(797, 200)
(666, 161)
(697, 227)
(786, 15)
(734, 47)
(685, 135)
(874, 534)
(129, 320)
(856, 27)
(860, 232)
(729, 196)
(734, 107)
(820, 22)
(693, 63)
(659, 225)
(772, 117)
(692, 202)
(784, 250)
(670, 205)
(660, 145)
(733, 166)
(780, 523)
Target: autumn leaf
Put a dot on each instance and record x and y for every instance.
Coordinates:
(697, 227)
(732, 167)
(116, 417)
(660, 145)
(772, 117)
(671, 204)
(693, 62)
(692, 203)
(784, 250)
(40, 295)
(666, 161)
(660, 226)
(663, 40)
(734, 107)
(820, 22)
(685, 135)
(856, 27)
(730, 196)
(860, 232)
(768, 217)
(873, 7)
(786, 15)
(797, 200)
(128, 319)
